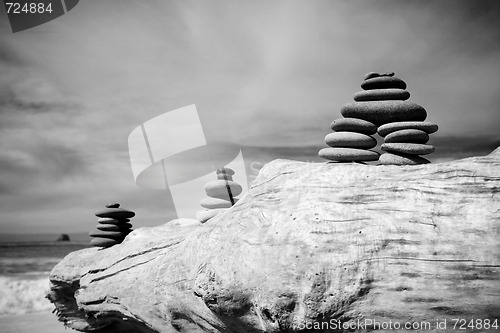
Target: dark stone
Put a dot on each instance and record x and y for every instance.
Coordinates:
(353, 125)
(113, 205)
(383, 82)
(117, 213)
(427, 127)
(407, 136)
(63, 238)
(350, 140)
(381, 95)
(348, 154)
(401, 159)
(383, 112)
(408, 148)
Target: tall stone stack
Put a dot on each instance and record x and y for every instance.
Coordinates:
(383, 105)
(221, 194)
(113, 226)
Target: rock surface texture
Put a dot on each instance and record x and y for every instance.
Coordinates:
(309, 243)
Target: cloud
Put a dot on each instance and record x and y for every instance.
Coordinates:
(261, 73)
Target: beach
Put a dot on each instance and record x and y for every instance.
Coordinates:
(25, 264)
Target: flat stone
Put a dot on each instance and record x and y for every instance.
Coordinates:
(381, 95)
(383, 112)
(383, 82)
(401, 159)
(114, 227)
(218, 189)
(113, 205)
(407, 136)
(223, 176)
(205, 215)
(348, 154)
(109, 220)
(117, 213)
(227, 171)
(353, 125)
(375, 74)
(214, 203)
(106, 234)
(350, 140)
(104, 242)
(408, 148)
(427, 127)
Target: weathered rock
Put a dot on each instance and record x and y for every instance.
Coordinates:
(206, 214)
(309, 243)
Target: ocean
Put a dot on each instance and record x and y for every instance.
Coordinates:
(25, 264)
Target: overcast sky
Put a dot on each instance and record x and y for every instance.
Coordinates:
(260, 73)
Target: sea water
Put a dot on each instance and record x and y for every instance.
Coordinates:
(25, 264)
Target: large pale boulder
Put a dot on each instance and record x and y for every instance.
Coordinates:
(312, 245)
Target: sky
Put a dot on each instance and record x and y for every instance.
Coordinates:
(261, 73)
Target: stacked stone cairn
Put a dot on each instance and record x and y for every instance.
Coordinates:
(221, 195)
(381, 107)
(113, 226)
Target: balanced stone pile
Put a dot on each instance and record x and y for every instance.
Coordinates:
(221, 195)
(381, 107)
(113, 226)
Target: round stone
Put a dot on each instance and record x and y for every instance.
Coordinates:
(350, 140)
(381, 95)
(114, 227)
(106, 234)
(353, 125)
(219, 189)
(116, 213)
(348, 154)
(214, 203)
(113, 205)
(408, 148)
(104, 242)
(224, 176)
(371, 75)
(401, 159)
(227, 171)
(383, 82)
(383, 112)
(427, 127)
(205, 215)
(407, 136)
(108, 220)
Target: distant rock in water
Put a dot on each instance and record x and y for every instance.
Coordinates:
(63, 238)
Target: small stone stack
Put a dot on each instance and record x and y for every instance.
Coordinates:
(221, 195)
(113, 226)
(350, 141)
(404, 141)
